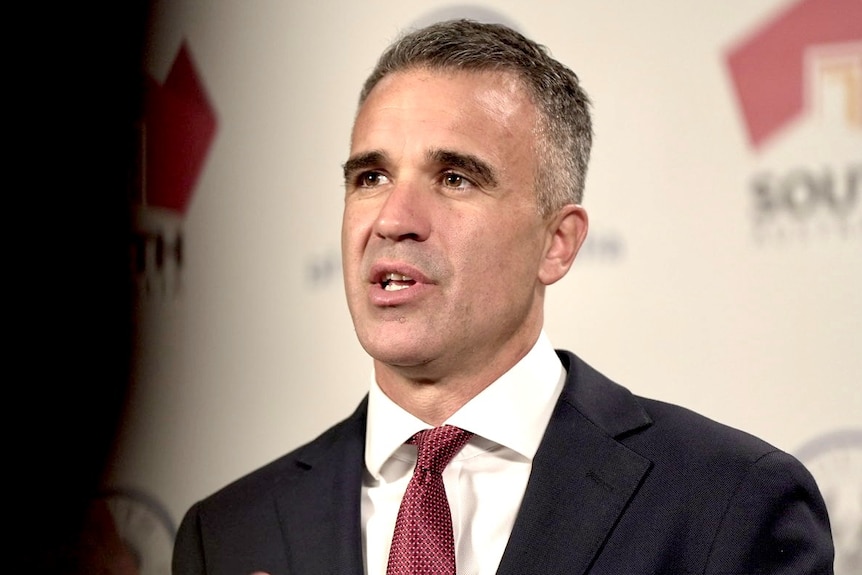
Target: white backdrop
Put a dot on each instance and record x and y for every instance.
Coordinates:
(247, 350)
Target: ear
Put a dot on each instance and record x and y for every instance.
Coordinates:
(566, 232)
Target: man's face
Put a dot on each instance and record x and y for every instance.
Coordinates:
(441, 238)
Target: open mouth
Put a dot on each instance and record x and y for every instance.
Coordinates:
(396, 282)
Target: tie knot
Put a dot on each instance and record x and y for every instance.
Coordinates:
(436, 447)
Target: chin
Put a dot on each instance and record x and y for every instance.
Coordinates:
(395, 351)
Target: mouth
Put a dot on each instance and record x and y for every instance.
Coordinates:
(396, 282)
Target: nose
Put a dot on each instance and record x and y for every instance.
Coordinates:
(404, 214)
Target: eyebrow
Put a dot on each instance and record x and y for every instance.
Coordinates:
(364, 161)
(474, 166)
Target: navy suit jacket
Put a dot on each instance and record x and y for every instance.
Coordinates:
(620, 485)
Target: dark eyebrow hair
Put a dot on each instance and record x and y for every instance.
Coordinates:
(363, 162)
(469, 163)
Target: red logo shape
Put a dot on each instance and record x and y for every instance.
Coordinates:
(179, 126)
(768, 65)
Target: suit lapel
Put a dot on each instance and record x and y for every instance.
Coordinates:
(582, 478)
(320, 515)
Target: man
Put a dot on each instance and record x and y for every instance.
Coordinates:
(463, 192)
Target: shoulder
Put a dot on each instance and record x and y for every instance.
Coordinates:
(679, 429)
(689, 454)
(346, 437)
(240, 528)
(649, 426)
(725, 498)
(752, 499)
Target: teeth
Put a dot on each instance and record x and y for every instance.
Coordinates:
(391, 277)
(396, 277)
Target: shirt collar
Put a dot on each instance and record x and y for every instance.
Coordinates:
(513, 411)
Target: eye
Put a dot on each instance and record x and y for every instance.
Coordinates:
(370, 179)
(455, 180)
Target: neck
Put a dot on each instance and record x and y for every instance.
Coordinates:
(434, 398)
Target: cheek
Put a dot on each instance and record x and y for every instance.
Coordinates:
(352, 249)
(355, 228)
(514, 255)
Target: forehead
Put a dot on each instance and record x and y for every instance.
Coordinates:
(476, 106)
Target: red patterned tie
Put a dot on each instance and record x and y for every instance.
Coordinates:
(423, 543)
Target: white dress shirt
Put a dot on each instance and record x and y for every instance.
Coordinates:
(484, 483)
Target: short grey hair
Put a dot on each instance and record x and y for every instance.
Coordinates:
(564, 131)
